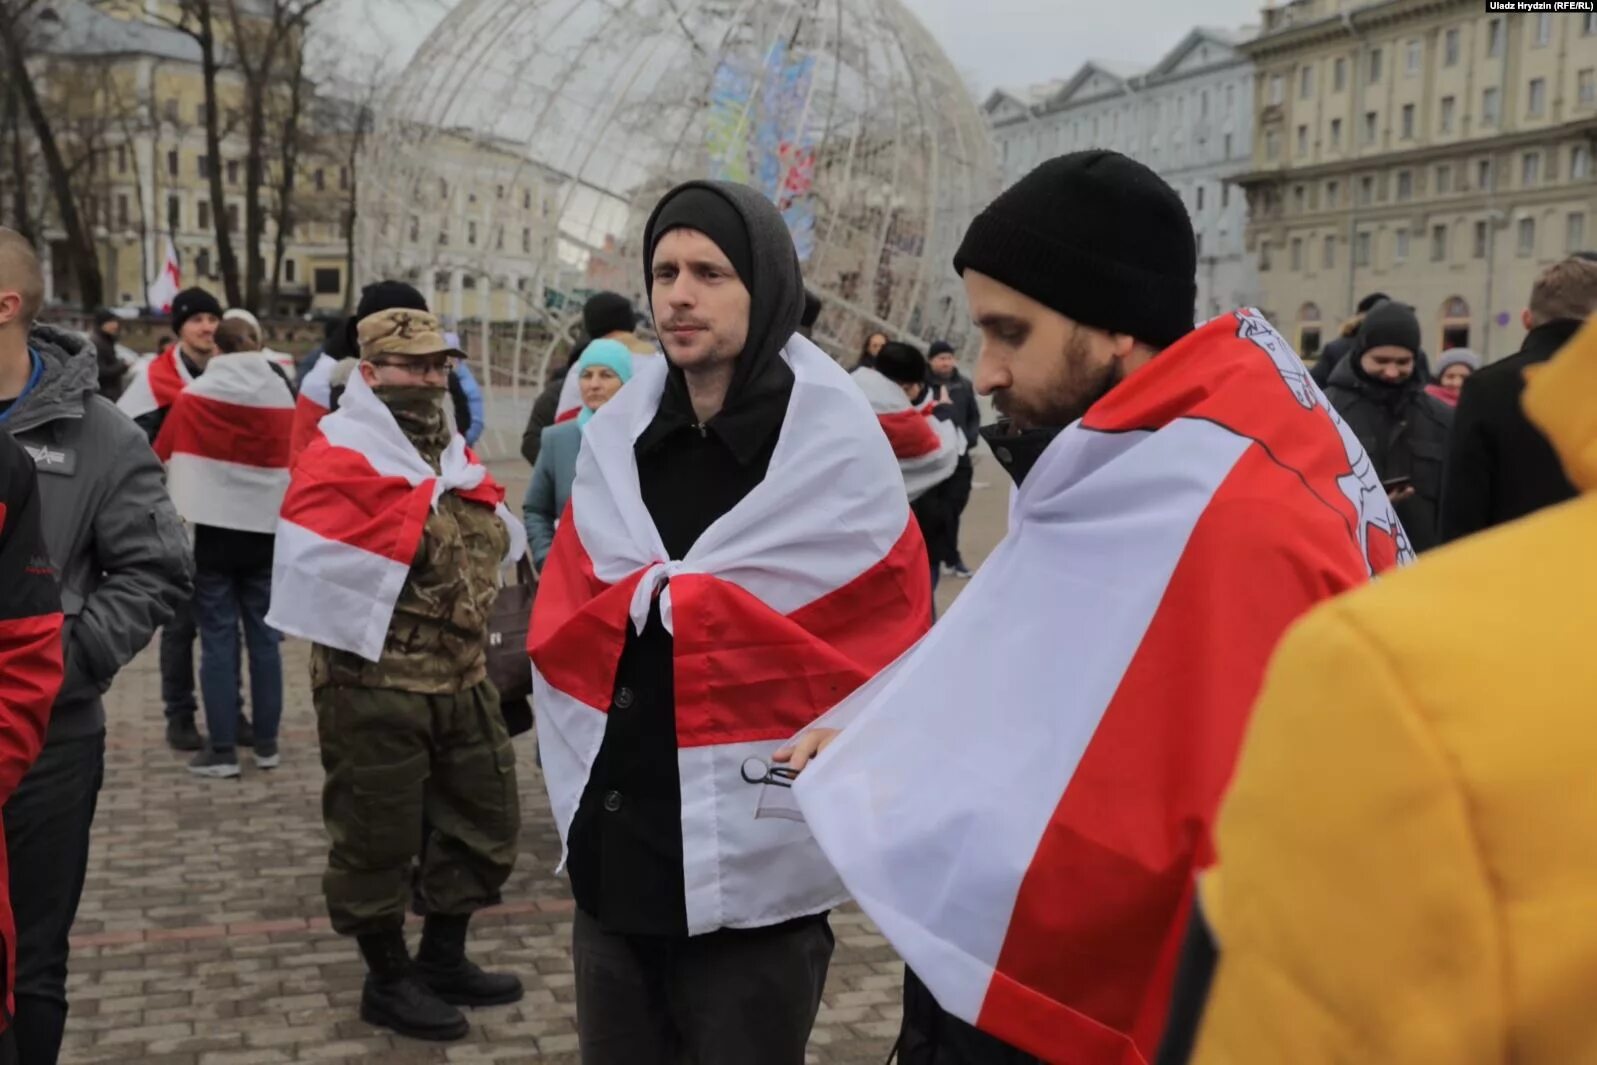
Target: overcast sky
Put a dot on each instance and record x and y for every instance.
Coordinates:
(993, 42)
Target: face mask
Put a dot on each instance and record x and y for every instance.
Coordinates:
(418, 409)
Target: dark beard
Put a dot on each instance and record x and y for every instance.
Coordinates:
(1069, 396)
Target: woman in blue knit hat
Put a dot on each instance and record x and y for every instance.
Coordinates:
(604, 367)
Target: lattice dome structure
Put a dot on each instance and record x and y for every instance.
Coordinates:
(512, 169)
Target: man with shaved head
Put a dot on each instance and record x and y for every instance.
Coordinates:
(122, 559)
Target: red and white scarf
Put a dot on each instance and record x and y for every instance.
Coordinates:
(156, 384)
(927, 447)
(1022, 802)
(791, 600)
(225, 444)
(353, 518)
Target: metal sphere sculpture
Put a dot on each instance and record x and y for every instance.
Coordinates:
(514, 164)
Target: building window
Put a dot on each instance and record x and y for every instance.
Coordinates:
(415, 229)
(1414, 59)
(1305, 82)
(1264, 256)
(1482, 236)
(1333, 194)
(232, 218)
(1303, 140)
(121, 159)
(1575, 231)
(1366, 191)
(1579, 162)
(174, 214)
(1408, 122)
(1227, 145)
(202, 263)
(1203, 108)
(1438, 244)
(1449, 112)
(1544, 30)
(232, 171)
(1297, 255)
(1299, 199)
(526, 241)
(1336, 133)
(122, 211)
(471, 234)
(1527, 237)
(1450, 48)
(1200, 197)
(468, 281)
(1400, 245)
(199, 114)
(1494, 38)
(1277, 93)
(290, 271)
(1586, 82)
(169, 110)
(526, 200)
(1405, 186)
(328, 280)
(203, 165)
(1339, 74)
(343, 179)
(1530, 169)
(1375, 67)
(319, 179)
(1370, 126)
(1361, 249)
(1491, 104)
(1328, 257)
(1272, 144)
(499, 238)
(1483, 175)
(1536, 102)
(171, 163)
(1444, 179)
(1588, 25)
(204, 217)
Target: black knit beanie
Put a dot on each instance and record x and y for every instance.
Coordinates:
(901, 363)
(696, 207)
(387, 296)
(1099, 238)
(1389, 324)
(192, 301)
(606, 313)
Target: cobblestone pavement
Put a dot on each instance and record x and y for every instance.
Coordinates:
(202, 938)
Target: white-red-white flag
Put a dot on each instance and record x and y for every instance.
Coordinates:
(155, 384)
(1022, 802)
(927, 447)
(353, 518)
(225, 444)
(167, 283)
(814, 582)
(315, 400)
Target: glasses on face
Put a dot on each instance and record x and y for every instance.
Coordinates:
(416, 365)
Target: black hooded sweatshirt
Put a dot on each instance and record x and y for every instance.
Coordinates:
(625, 844)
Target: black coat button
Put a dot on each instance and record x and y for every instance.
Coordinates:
(623, 698)
(1003, 455)
(612, 801)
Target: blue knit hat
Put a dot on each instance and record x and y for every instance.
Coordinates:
(611, 354)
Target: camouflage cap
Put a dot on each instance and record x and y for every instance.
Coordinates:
(402, 331)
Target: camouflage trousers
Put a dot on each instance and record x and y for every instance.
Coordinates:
(400, 764)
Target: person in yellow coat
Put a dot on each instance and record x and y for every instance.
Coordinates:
(1408, 856)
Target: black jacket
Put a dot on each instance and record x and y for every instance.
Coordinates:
(967, 413)
(1499, 466)
(544, 409)
(109, 364)
(625, 843)
(1405, 432)
(1331, 357)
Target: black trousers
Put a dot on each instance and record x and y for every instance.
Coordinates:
(733, 997)
(931, 1036)
(177, 663)
(958, 498)
(47, 824)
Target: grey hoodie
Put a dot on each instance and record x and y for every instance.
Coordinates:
(109, 526)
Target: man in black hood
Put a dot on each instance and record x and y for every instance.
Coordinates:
(1334, 352)
(727, 296)
(1379, 389)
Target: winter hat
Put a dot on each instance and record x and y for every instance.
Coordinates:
(1374, 299)
(1457, 357)
(102, 316)
(1099, 238)
(939, 347)
(1389, 324)
(242, 315)
(386, 296)
(901, 364)
(700, 208)
(606, 313)
(611, 354)
(192, 301)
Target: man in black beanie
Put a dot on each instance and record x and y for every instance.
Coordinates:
(606, 316)
(1334, 352)
(720, 492)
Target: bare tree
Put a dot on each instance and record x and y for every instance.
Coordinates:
(18, 21)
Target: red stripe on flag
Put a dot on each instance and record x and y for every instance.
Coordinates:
(910, 433)
(567, 416)
(230, 432)
(308, 414)
(1097, 924)
(579, 623)
(337, 495)
(745, 673)
(165, 380)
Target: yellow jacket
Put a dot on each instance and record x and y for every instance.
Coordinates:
(1408, 856)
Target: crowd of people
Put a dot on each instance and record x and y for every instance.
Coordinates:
(1066, 803)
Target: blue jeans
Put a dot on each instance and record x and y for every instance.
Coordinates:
(221, 600)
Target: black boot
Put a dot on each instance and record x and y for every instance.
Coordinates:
(442, 965)
(394, 998)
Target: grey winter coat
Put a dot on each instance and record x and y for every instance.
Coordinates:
(111, 530)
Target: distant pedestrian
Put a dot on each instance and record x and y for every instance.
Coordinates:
(605, 366)
(606, 316)
(1334, 352)
(122, 559)
(226, 444)
(1378, 390)
(1452, 370)
(967, 417)
(544, 408)
(1501, 467)
(388, 553)
(873, 344)
(109, 354)
(281, 358)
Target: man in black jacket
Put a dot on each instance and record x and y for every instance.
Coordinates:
(967, 415)
(1499, 466)
(1335, 351)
